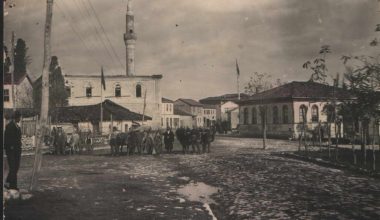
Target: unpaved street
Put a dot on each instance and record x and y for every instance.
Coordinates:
(237, 180)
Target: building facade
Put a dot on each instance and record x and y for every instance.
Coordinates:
(209, 115)
(191, 107)
(23, 93)
(289, 108)
(130, 92)
(168, 118)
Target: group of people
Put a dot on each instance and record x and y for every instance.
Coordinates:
(199, 139)
(150, 141)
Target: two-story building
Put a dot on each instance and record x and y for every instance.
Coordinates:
(168, 118)
(23, 91)
(191, 107)
(209, 115)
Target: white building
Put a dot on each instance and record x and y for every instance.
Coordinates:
(168, 118)
(130, 90)
(23, 93)
(209, 115)
(289, 107)
(191, 107)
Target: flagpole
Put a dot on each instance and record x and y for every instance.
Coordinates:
(238, 89)
(101, 103)
(237, 79)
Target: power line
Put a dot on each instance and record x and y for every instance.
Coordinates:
(76, 32)
(99, 35)
(104, 32)
(73, 22)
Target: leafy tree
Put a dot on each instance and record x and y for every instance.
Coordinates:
(318, 66)
(7, 60)
(21, 60)
(57, 91)
(258, 82)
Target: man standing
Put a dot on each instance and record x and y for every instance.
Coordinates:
(168, 139)
(12, 145)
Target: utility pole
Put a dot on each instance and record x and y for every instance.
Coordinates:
(143, 116)
(43, 128)
(13, 71)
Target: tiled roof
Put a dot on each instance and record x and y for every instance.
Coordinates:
(92, 113)
(18, 78)
(181, 112)
(165, 100)
(191, 102)
(25, 112)
(223, 98)
(300, 90)
(209, 106)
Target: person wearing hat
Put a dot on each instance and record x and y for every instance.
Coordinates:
(12, 145)
(169, 139)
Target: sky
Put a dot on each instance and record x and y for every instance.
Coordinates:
(194, 44)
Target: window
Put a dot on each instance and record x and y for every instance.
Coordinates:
(6, 95)
(314, 114)
(285, 114)
(302, 114)
(162, 122)
(88, 91)
(245, 116)
(138, 90)
(117, 91)
(171, 122)
(167, 107)
(68, 91)
(275, 115)
(254, 116)
(167, 122)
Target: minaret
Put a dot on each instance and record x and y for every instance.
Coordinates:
(130, 41)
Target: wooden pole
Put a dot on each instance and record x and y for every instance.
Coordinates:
(101, 110)
(42, 129)
(13, 71)
(143, 117)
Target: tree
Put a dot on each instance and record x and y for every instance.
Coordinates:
(20, 57)
(364, 83)
(7, 60)
(318, 67)
(57, 91)
(258, 82)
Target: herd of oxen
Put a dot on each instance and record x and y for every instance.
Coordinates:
(141, 140)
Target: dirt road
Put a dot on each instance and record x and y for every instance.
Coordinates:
(237, 180)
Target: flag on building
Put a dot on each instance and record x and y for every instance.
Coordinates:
(103, 81)
(237, 68)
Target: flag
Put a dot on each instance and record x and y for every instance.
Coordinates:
(336, 80)
(103, 81)
(237, 68)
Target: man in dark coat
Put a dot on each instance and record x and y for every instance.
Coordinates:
(169, 139)
(12, 145)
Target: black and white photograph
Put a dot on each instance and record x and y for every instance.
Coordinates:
(191, 109)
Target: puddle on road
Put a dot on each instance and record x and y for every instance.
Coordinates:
(199, 192)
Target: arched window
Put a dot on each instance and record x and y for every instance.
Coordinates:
(254, 116)
(88, 91)
(88, 88)
(285, 114)
(302, 114)
(245, 116)
(275, 115)
(68, 91)
(314, 114)
(118, 91)
(138, 90)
